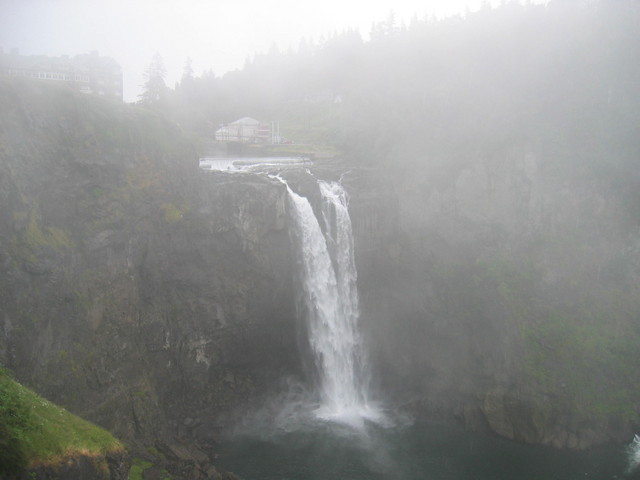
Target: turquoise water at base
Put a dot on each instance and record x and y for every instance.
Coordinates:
(419, 451)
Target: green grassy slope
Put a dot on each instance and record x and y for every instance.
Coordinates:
(34, 431)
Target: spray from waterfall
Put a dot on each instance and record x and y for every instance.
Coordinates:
(330, 304)
(633, 455)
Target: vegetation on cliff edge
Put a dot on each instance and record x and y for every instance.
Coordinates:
(34, 431)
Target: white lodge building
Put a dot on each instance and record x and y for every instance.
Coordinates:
(87, 73)
(246, 130)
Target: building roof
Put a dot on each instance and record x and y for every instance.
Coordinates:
(246, 121)
(79, 62)
(88, 73)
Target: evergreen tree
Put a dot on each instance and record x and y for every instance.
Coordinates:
(154, 88)
(187, 74)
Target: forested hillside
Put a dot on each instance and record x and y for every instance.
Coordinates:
(561, 80)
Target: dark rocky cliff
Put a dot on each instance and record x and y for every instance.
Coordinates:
(155, 299)
(502, 295)
(136, 290)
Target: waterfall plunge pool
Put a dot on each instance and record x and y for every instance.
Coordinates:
(326, 451)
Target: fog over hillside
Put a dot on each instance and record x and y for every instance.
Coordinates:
(408, 254)
(216, 36)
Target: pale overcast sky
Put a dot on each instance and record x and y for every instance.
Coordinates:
(216, 34)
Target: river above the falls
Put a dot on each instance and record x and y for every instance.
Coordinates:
(412, 452)
(231, 164)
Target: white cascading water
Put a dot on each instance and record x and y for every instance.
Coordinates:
(330, 303)
(633, 455)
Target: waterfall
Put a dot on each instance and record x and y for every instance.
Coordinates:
(633, 455)
(330, 303)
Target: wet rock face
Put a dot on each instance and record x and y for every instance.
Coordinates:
(474, 295)
(532, 417)
(135, 289)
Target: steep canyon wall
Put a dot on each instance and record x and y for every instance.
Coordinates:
(135, 290)
(154, 298)
(502, 294)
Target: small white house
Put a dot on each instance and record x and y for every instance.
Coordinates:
(245, 130)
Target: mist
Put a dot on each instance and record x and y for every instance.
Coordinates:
(217, 37)
(402, 245)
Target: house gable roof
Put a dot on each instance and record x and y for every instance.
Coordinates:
(246, 121)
